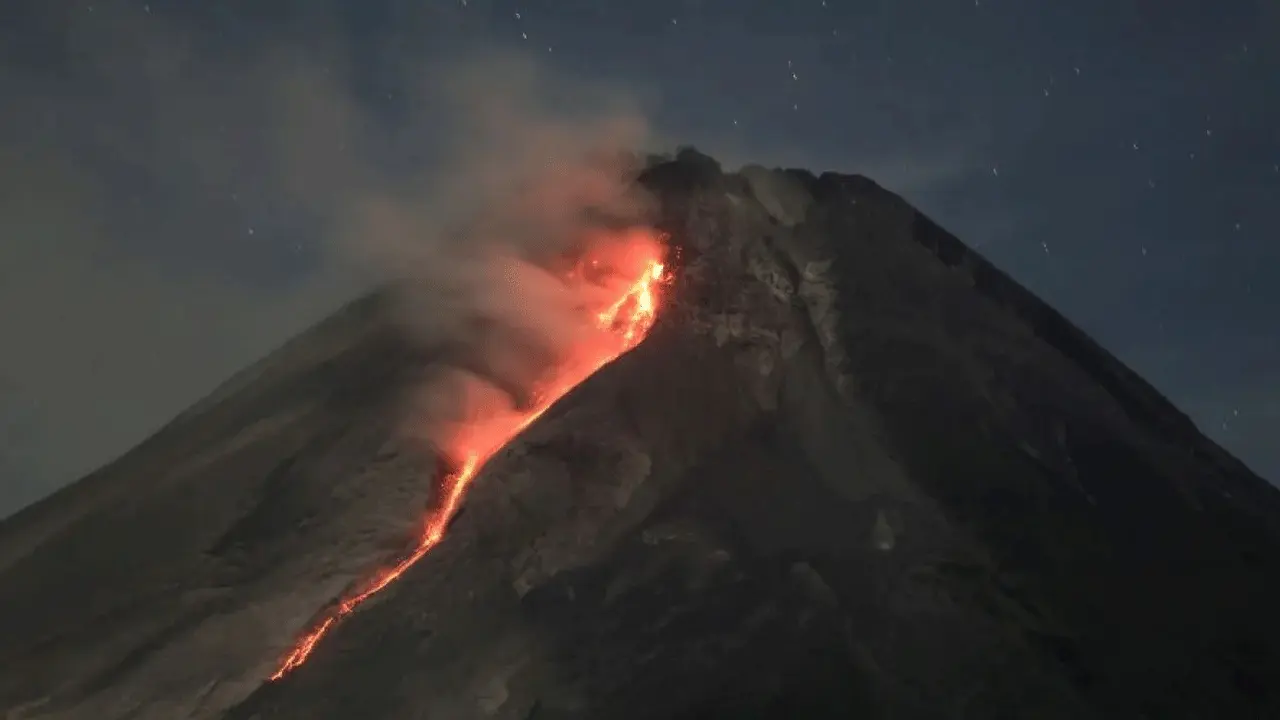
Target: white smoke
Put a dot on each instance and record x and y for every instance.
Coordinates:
(474, 175)
(531, 164)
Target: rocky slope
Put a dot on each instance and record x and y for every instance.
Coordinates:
(854, 472)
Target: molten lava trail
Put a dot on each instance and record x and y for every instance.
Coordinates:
(624, 323)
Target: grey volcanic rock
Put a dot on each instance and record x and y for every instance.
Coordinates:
(855, 472)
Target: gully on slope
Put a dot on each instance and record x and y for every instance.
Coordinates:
(622, 322)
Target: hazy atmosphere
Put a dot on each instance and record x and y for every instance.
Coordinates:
(184, 185)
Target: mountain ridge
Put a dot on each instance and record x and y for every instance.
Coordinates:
(854, 469)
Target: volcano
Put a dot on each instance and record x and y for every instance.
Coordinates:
(853, 470)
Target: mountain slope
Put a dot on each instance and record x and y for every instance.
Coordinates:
(854, 471)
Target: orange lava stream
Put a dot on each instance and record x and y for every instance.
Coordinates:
(624, 323)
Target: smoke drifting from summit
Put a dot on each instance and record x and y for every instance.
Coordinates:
(532, 174)
(193, 190)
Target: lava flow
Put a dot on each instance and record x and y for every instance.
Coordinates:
(623, 320)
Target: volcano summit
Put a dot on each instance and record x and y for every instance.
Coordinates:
(851, 470)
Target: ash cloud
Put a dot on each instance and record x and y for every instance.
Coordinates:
(174, 204)
(536, 168)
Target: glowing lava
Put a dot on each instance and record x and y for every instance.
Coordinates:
(623, 320)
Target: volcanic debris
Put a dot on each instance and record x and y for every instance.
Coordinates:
(854, 471)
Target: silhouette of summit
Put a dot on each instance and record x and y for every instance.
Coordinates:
(854, 471)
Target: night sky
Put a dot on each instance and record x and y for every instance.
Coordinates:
(1119, 157)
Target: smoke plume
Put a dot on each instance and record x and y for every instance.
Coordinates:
(532, 172)
(174, 208)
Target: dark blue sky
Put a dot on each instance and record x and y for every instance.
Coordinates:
(1119, 157)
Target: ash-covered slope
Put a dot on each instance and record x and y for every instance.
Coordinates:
(854, 472)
